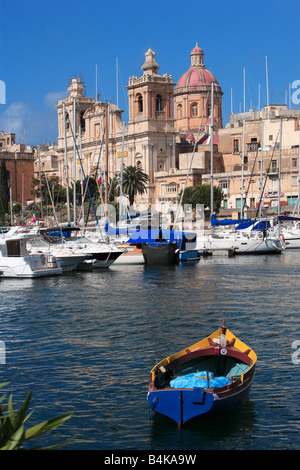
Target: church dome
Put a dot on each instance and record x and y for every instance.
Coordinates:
(197, 77)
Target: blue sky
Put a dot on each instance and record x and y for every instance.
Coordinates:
(44, 43)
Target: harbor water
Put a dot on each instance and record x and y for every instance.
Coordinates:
(85, 343)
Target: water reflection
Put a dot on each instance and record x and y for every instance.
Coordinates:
(86, 342)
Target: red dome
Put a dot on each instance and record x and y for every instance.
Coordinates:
(197, 50)
(196, 76)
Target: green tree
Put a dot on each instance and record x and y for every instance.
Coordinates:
(134, 182)
(201, 194)
(4, 192)
(58, 192)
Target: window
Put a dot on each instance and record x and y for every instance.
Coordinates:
(270, 137)
(179, 111)
(294, 162)
(294, 180)
(236, 147)
(97, 130)
(194, 109)
(292, 200)
(238, 203)
(171, 188)
(140, 103)
(13, 248)
(274, 164)
(158, 103)
(67, 121)
(82, 121)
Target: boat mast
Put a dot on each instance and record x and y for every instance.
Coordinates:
(299, 171)
(106, 160)
(66, 168)
(267, 80)
(279, 168)
(121, 178)
(81, 176)
(212, 151)
(74, 158)
(261, 167)
(242, 181)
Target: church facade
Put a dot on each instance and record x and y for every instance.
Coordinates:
(92, 135)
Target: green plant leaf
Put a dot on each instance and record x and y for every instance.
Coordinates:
(46, 426)
(15, 441)
(21, 416)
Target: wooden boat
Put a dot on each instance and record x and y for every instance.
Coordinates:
(132, 254)
(211, 377)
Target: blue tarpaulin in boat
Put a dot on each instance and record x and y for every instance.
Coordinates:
(152, 236)
(255, 225)
(216, 222)
(199, 379)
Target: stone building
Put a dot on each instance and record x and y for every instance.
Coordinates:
(148, 141)
(254, 137)
(19, 162)
(168, 136)
(193, 98)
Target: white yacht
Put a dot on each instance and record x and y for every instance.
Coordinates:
(239, 242)
(17, 262)
(65, 256)
(95, 254)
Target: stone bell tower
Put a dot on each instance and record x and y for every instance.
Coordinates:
(151, 132)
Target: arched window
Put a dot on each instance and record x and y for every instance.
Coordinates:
(194, 109)
(67, 120)
(179, 111)
(159, 103)
(140, 103)
(82, 121)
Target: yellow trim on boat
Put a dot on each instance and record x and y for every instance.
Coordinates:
(204, 343)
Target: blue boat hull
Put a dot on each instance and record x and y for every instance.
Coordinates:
(183, 405)
(189, 255)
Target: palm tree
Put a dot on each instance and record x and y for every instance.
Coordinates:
(134, 182)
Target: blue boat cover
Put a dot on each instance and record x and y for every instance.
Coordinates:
(186, 240)
(216, 222)
(199, 379)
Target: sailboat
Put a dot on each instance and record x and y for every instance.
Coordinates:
(93, 254)
(249, 236)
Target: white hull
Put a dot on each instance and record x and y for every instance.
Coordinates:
(240, 243)
(292, 238)
(27, 267)
(130, 259)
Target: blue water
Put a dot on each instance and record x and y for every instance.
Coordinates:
(86, 342)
